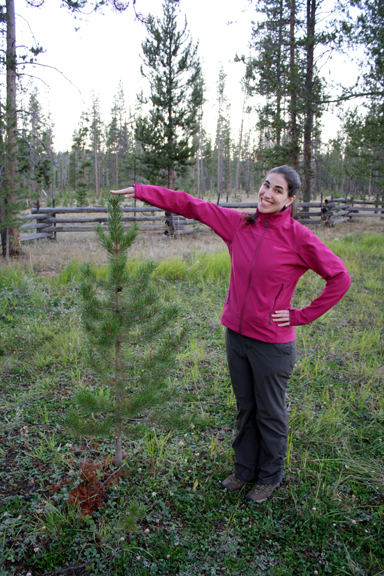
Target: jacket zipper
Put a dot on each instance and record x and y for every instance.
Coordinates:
(274, 304)
(250, 275)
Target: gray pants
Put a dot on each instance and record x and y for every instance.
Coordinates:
(260, 372)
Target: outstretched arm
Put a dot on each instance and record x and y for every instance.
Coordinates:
(223, 221)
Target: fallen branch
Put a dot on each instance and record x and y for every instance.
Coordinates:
(63, 570)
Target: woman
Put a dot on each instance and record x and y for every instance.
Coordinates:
(269, 252)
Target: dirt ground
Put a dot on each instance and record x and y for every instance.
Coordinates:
(48, 256)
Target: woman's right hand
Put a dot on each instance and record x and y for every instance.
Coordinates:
(128, 192)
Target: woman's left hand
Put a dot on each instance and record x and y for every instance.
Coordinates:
(128, 192)
(281, 316)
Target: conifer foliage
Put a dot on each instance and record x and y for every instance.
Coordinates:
(131, 338)
(173, 69)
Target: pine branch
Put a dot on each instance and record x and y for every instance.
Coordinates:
(353, 96)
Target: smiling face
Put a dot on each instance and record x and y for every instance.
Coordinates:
(273, 194)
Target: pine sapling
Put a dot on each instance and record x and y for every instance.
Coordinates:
(131, 334)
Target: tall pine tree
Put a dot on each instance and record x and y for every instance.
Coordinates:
(171, 65)
(11, 193)
(285, 70)
(364, 129)
(96, 139)
(268, 74)
(82, 159)
(35, 149)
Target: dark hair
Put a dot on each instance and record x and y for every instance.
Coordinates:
(293, 180)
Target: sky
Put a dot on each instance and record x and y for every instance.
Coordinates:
(91, 55)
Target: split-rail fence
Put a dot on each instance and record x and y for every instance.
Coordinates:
(48, 221)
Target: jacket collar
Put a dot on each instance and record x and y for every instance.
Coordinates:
(275, 219)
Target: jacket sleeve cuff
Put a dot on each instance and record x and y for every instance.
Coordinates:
(137, 191)
(292, 316)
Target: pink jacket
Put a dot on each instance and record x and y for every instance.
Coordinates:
(267, 260)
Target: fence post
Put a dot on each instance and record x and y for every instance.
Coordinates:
(327, 212)
(7, 244)
(170, 224)
(37, 220)
(53, 237)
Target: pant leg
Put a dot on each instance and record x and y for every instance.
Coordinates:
(272, 365)
(259, 373)
(246, 442)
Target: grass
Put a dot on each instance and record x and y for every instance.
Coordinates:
(165, 511)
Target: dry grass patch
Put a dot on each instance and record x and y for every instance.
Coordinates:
(47, 256)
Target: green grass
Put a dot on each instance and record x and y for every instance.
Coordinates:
(327, 516)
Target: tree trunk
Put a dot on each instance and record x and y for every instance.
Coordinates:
(308, 122)
(50, 154)
(170, 222)
(198, 172)
(293, 86)
(229, 173)
(96, 160)
(239, 152)
(117, 168)
(219, 162)
(199, 194)
(248, 177)
(278, 77)
(136, 154)
(97, 184)
(11, 239)
(118, 395)
(248, 166)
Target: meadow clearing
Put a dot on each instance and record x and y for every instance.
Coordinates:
(165, 511)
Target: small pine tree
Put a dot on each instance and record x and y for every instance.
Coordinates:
(131, 341)
(81, 193)
(81, 161)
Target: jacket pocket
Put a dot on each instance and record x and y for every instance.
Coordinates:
(275, 302)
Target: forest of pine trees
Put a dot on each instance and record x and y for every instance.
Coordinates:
(162, 137)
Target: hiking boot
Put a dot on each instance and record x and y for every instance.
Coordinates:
(232, 484)
(260, 492)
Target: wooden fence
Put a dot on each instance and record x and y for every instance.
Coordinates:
(47, 222)
(337, 210)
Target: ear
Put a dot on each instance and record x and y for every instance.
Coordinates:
(290, 200)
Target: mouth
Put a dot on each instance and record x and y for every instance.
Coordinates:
(265, 201)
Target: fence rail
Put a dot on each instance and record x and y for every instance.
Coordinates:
(47, 224)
